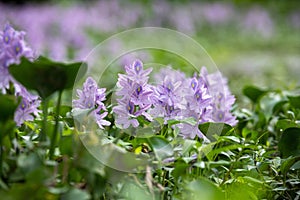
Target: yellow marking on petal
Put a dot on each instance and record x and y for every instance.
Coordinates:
(18, 49)
(220, 116)
(6, 39)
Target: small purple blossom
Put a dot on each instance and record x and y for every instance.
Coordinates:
(135, 95)
(28, 107)
(136, 73)
(198, 107)
(223, 100)
(12, 48)
(92, 97)
(169, 94)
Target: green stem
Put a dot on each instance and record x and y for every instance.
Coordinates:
(44, 126)
(1, 153)
(54, 135)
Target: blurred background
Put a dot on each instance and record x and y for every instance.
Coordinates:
(252, 42)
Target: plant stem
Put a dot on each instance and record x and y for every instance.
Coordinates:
(44, 126)
(54, 135)
(1, 152)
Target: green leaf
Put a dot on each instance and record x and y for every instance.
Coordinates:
(161, 147)
(287, 164)
(66, 145)
(285, 123)
(253, 93)
(75, 194)
(294, 101)
(268, 102)
(210, 129)
(289, 144)
(189, 120)
(46, 76)
(133, 191)
(202, 189)
(8, 105)
(180, 168)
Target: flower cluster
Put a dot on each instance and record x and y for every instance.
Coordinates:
(135, 95)
(92, 97)
(12, 48)
(198, 107)
(28, 106)
(204, 98)
(168, 100)
(223, 100)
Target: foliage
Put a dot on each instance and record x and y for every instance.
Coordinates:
(259, 158)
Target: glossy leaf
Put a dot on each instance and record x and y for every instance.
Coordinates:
(253, 93)
(161, 147)
(210, 129)
(287, 164)
(289, 144)
(8, 105)
(46, 76)
(202, 189)
(294, 101)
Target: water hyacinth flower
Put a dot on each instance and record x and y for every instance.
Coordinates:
(223, 100)
(135, 95)
(168, 94)
(198, 107)
(28, 107)
(92, 97)
(12, 48)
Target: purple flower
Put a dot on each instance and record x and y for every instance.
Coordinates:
(100, 118)
(126, 114)
(168, 96)
(198, 107)
(136, 73)
(197, 96)
(28, 107)
(92, 97)
(12, 48)
(135, 95)
(5, 79)
(223, 100)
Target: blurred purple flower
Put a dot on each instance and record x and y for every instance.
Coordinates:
(12, 48)
(92, 97)
(258, 21)
(217, 13)
(28, 106)
(223, 100)
(135, 95)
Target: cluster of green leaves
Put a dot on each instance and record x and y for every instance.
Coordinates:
(50, 159)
